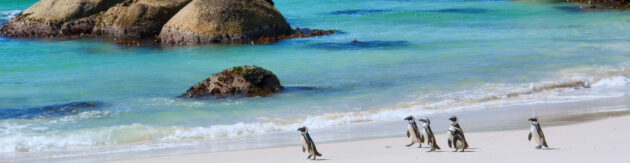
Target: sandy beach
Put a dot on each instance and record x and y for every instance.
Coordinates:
(601, 140)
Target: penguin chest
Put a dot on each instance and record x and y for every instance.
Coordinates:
(412, 133)
(305, 145)
(451, 133)
(536, 135)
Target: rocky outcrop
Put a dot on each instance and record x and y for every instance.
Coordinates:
(52, 18)
(224, 21)
(137, 19)
(247, 81)
(169, 22)
(602, 4)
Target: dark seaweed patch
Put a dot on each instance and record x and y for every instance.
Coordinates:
(353, 45)
(303, 88)
(48, 111)
(463, 10)
(569, 8)
(357, 12)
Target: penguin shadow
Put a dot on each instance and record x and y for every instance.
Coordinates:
(428, 150)
(468, 150)
(320, 159)
(436, 151)
(550, 149)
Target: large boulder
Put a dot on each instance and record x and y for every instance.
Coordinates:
(137, 19)
(52, 18)
(237, 81)
(124, 19)
(224, 21)
(146, 22)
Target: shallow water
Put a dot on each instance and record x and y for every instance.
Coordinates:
(412, 57)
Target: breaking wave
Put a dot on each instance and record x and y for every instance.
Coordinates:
(7, 15)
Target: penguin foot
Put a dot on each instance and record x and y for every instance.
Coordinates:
(539, 147)
(419, 146)
(309, 157)
(462, 150)
(409, 145)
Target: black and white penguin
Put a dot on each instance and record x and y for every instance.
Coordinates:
(413, 133)
(456, 138)
(536, 132)
(308, 146)
(426, 131)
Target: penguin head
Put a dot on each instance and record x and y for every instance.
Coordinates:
(533, 119)
(425, 120)
(453, 119)
(302, 129)
(410, 118)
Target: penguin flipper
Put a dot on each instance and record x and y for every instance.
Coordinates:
(408, 134)
(529, 136)
(545, 142)
(450, 143)
(303, 149)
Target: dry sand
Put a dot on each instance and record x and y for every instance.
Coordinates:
(606, 140)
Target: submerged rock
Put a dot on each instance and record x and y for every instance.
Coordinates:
(248, 81)
(297, 33)
(224, 21)
(50, 110)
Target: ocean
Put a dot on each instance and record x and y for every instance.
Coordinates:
(95, 100)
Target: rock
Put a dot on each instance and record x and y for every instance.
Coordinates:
(150, 22)
(594, 5)
(137, 19)
(52, 18)
(122, 19)
(224, 21)
(248, 81)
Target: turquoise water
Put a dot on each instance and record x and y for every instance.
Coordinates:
(414, 57)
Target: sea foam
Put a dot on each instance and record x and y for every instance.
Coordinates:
(7, 15)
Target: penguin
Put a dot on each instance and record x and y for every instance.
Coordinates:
(456, 138)
(536, 132)
(308, 146)
(413, 133)
(426, 131)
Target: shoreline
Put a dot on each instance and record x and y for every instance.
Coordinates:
(568, 143)
(494, 119)
(489, 120)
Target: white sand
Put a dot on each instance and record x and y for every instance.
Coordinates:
(601, 141)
